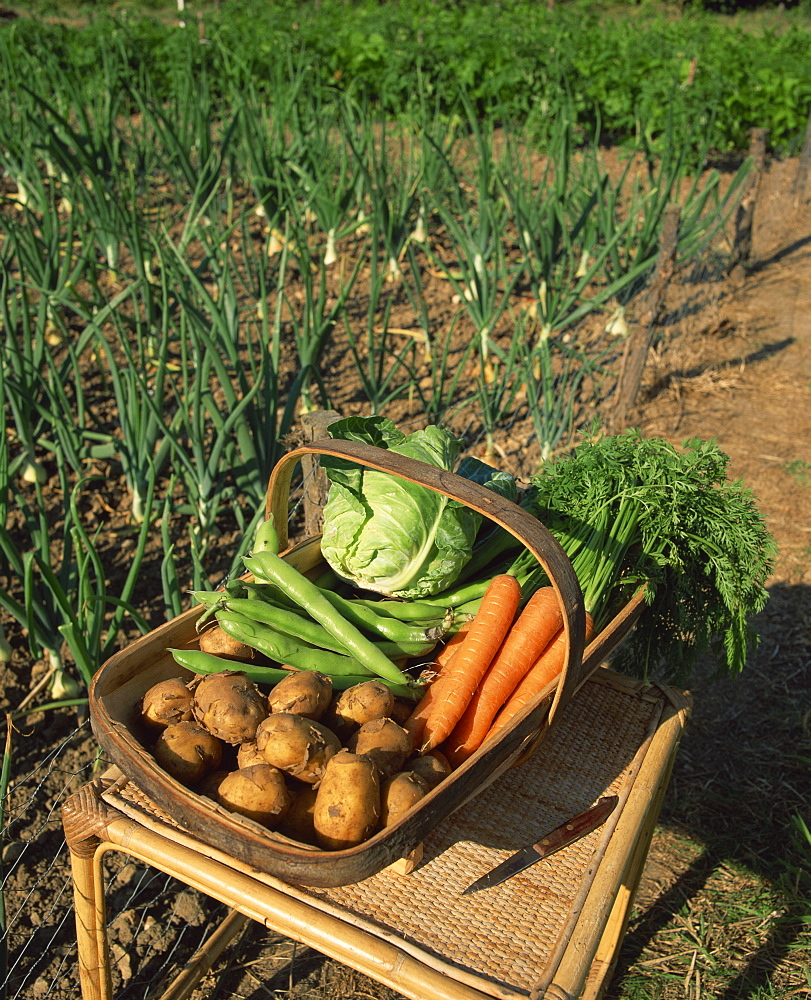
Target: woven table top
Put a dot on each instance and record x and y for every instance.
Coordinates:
(506, 934)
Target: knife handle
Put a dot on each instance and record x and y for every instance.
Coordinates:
(578, 826)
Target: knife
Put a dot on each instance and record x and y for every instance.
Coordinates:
(564, 835)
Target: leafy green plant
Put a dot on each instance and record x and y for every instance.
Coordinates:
(62, 583)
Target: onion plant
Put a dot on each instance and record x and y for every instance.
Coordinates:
(381, 357)
(211, 397)
(86, 147)
(272, 412)
(230, 406)
(556, 376)
(139, 370)
(57, 581)
(326, 179)
(314, 313)
(197, 154)
(483, 278)
(565, 252)
(265, 153)
(647, 185)
(439, 393)
(392, 171)
(22, 370)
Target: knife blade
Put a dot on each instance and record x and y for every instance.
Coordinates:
(567, 833)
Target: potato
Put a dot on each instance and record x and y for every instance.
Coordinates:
(214, 640)
(360, 703)
(302, 692)
(433, 767)
(298, 822)
(187, 751)
(229, 705)
(399, 793)
(248, 754)
(388, 744)
(401, 712)
(258, 792)
(347, 805)
(211, 782)
(166, 703)
(300, 747)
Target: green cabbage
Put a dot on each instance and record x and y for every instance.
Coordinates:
(389, 535)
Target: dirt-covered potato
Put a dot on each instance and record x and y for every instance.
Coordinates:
(300, 747)
(302, 692)
(388, 744)
(187, 751)
(433, 767)
(360, 703)
(399, 793)
(211, 782)
(298, 821)
(229, 705)
(258, 792)
(248, 754)
(347, 806)
(401, 712)
(166, 703)
(217, 642)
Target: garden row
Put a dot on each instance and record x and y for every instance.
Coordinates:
(661, 75)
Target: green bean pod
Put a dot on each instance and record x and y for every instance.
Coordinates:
(282, 619)
(366, 618)
(299, 626)
(200, 662)
(286, 649)
(410, 692)
(273, 569)
(417, 612)
(266, 537)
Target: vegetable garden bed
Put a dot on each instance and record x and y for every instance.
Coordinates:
(721, 909)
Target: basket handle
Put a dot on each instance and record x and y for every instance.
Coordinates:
(521, 524)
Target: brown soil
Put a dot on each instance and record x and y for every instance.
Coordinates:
(733, 362)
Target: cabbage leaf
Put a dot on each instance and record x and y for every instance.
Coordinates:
(386, 534)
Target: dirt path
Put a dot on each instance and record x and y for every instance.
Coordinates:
(743, 372)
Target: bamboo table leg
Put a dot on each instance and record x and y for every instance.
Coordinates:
(84, 819)
(201, 963)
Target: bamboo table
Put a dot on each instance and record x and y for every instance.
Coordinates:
(551, 932)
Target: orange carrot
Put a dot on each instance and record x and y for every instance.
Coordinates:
(415, 724)
(545, 669)
(535, 628)
(445, 654)
(460, 678)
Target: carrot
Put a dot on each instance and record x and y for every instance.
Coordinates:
(460, 678)
(537, 625)
(415, 723)
(545, 669)
(444, 655)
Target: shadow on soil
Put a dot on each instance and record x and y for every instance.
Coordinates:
(740, 780)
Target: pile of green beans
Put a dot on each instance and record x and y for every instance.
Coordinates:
(200, 662)
(292, 621)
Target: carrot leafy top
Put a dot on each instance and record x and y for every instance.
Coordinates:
(629, 509)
